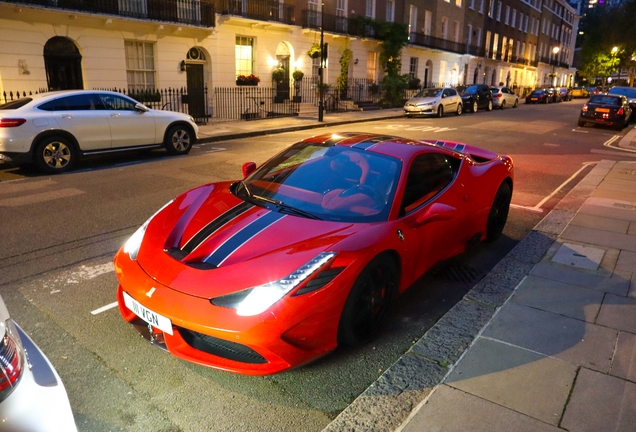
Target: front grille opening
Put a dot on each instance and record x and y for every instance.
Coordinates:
(221, 348)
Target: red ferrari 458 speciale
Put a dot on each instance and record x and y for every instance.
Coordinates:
(306, 252)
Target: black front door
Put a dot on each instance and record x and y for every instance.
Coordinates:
(196, 92)
(282, 88)
(63, 64)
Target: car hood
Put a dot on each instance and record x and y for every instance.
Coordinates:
(467, 95)
(421, 100)
(209, 243)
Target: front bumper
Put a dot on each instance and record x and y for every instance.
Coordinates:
(294, 331)
(423, 110)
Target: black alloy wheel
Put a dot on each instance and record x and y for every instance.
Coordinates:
(368, 303)
(498, 212)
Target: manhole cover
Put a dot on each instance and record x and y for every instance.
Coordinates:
(458, 272)
(579, 256)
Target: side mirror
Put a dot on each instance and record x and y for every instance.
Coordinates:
(436, 212)
(443, 96)
(248, 168)
(141, 107)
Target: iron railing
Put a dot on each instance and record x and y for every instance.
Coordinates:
(262, 10)
(336, 24)
(193, 12)
(432, 42)
(252, 103)
(196, 105)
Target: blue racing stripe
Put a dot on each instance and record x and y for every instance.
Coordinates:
(241, 237)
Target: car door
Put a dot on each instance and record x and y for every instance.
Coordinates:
(129, 126)
(79, 114)
(450, 103)
(508, 96)
(484, 95)
(432, 211)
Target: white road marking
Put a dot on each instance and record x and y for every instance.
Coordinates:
(40, 197)
(609, 142)
(216, 149)
(533, 209)
(579, 131)
(433, 129)
(15, 187)
(104, 308)
(572, 177)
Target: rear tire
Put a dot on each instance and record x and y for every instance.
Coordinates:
(368, 303)
(516, 103)
(581, 123)
(503, 104)
(460, 109)
(179, 140)
(54, 155)
(498, 212)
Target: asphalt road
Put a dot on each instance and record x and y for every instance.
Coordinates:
(59, 235)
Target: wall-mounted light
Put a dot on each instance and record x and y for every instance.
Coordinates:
(23, 67)
(272, 62)
(182, 66)
(355, 62)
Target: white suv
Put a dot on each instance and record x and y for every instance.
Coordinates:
(53, 129)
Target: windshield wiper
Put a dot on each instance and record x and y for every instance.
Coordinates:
(280, 206)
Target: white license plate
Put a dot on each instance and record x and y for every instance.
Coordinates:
(153, 318)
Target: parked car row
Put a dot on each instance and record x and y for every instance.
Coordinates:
(439, 101)
(549, 95)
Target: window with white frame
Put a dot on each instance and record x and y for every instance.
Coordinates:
(428, 18)
(412, 19)
(487, 47)
(504, 47)
(390, 10)
(140, 65)
(507, 17)
(481, 6)
(525, 27)
(495, 45)
(370, 9)
(456, 31)
(471, 4)
(478, 38)
(444, 27)
(498, 11)
(491, 8)
(521, 21)
(341, 14)
(244, 52)
(523, 50)
(469, 34)
(458, 3)
(413, 67)
(313, 17)
(514, 18)
(510, 44)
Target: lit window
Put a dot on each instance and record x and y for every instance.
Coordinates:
(244, 55)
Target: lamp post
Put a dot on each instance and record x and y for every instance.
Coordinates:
(614, 52)
(321, 104)
(555, 51)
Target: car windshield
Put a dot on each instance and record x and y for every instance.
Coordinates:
(434, 92)
(630, 93)
(324, 181)
(494, 90)
(15, 104)
(537, 93)
(606, 100)
(471, 89)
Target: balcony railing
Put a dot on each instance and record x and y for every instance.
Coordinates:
(336, 24)
(262, 10)
(193, 12)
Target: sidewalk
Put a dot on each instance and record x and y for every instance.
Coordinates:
(545, 342)
(233, 129)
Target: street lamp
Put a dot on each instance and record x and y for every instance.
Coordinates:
(614, 52)
(321, 103)
(555, 51)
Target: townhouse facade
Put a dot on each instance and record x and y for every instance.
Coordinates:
(197, 44)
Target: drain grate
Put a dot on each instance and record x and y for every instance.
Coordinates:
(458, 272)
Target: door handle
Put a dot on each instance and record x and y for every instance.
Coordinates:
(115, 115)
(66, 116)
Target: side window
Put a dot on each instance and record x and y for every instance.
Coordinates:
(54, 105)
(452, 92)
(81, 102)
(428, 174)
(446, 93)
(115, 102)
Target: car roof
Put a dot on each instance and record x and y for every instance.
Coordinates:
(59, 93)
(388, 145)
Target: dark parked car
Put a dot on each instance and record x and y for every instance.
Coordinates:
(476, 96)
(538, 96)
(553, 94)
(610, 110)
(565, 93)
(629, 93)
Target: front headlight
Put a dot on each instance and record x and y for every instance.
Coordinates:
(428, 103)
(254, 301)
(134, 242)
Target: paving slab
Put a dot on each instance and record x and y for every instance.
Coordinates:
(600, 238)
(617, 283)
(632, 228)
(579, 256)
(524, 381)
(624, 363)
(614, 209)
(626, 261)
(608, 224)
(600, 403)
(560, 298)
(555, 222)
(617, 312)
(578, 342)
(616, 194)
(449, 409)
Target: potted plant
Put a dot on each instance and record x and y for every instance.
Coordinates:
(298, 76)
(314, 51)
(247, 80)
(278, 75)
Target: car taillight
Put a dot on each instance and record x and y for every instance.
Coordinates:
(584, 108)
(620, 111)
(11, 122)
(498, 95)
(11, 360)
(541, 96)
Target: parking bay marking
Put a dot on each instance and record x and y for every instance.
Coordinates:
(407, 127)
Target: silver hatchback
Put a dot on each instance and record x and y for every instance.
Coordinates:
(434, 102)
(503, 97)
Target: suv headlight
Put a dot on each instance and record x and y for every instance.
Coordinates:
(254, 301)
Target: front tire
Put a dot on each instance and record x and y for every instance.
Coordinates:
(503, 104)
(440, 111)
(475, 106)
(516, 104)
(489, 107)
(179, 140)
(54, 155)
(459, 109)
(498, 212)
(368, 303)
